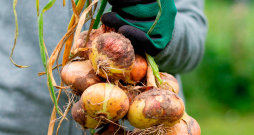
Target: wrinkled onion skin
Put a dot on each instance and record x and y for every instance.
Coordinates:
(112, 56)
(182, 129)
(81, 117)
(105, 99)
(155, 107)
(138, 71)
(80, 75)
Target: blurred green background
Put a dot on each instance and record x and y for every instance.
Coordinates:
(220, 91)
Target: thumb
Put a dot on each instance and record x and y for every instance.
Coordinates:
(139, 39)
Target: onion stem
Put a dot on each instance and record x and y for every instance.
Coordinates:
(37, 8)
(150, 59)
(16, 34)
(76, 2)
(154, 66)
(92, 131)
(43, 51)
(100, 12)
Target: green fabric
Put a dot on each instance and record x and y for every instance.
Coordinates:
(165, 25)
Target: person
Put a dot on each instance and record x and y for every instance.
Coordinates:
(176, 42)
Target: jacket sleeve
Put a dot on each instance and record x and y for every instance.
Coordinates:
(186, 48)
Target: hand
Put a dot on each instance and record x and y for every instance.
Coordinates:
(134, 18)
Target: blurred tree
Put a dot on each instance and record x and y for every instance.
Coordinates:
(243, 1)
(226, 74)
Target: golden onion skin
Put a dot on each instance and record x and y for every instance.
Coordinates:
(155, 107)
(106, 100)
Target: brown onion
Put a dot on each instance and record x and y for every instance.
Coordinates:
(111, 129)
(81, 117)
(80, 75)
(112, 56)
(80, 43)
(138, 71)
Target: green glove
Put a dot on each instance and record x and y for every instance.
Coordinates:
(134, 18)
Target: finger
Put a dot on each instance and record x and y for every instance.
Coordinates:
(110, 20)
(138, 12)
(139, 39)
(124, 3)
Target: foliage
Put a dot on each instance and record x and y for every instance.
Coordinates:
(224, 80)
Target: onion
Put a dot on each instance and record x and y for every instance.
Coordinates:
(112, 56)
(155, 107)
(80, 75)
(80, 43)
(105, 102)
(182, 128)
(138, 71)
(111, 129)
(169, 82)
(81, 117)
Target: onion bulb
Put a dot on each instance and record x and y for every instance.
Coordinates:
(155, 107)
(189, 127)
(105, 101)
(81, 117)
(80, 43)
(111, 129)
(112, 56)
(80, 75)
(138, 71)
(169, 82)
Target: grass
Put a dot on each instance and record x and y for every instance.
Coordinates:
(228, 124)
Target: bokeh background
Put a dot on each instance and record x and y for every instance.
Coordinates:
(220, 91)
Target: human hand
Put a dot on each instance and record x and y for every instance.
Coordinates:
(134, 18)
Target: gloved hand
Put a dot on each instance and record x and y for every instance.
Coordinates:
(134, 18)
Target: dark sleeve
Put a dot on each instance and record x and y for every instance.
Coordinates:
(186, 48)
